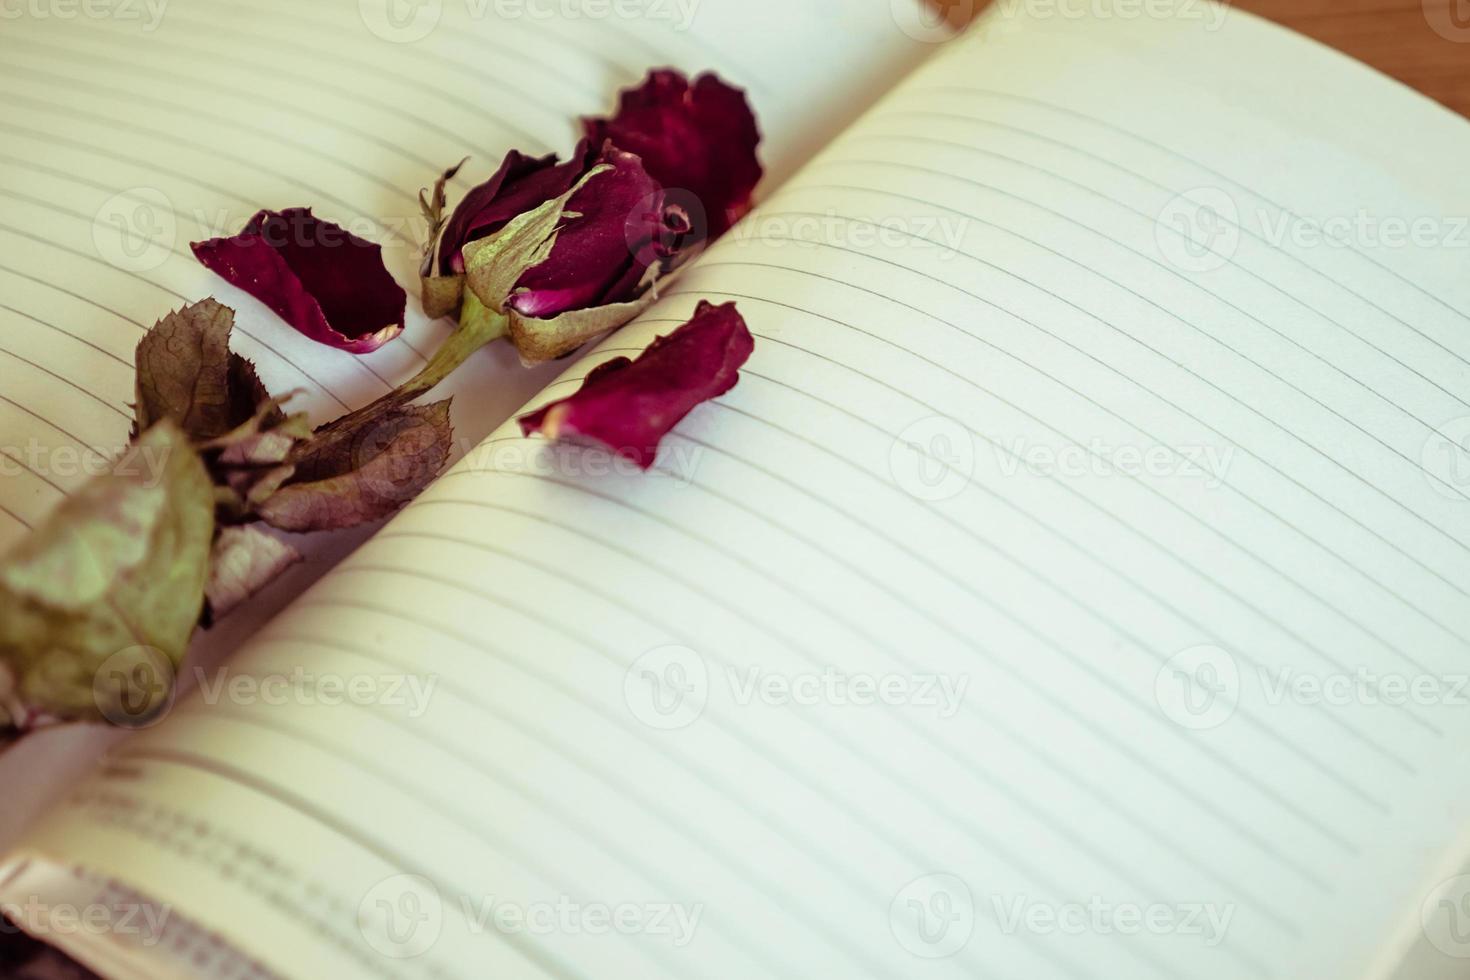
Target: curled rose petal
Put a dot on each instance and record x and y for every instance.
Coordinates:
(317, 276)
(701, 138)
(628, 406)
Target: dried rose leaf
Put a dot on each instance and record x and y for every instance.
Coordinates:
(317, 276)
(344, 444)
(701, 138)
(248, 395)
(248, 464)
(111, 582)
(244, 561)
(187, 373)
(264, 439)
(628, 406)
(349, 474)
(183, 371)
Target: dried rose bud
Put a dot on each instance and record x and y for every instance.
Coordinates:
(581, 264)
(553, 254)
(317, 276)
(597, 256)
(701, 138)
(521, 184)
(628, 406)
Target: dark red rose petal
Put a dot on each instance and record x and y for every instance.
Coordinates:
(317, 276)
(521, 184)
(600, 255)
(701, 138)
(628, 406)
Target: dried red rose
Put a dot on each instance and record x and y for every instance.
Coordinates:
(597, 255)
(581, 264)
(553, 254)
(521, 184)
(701, 138)
(317, 276)
(628, 406)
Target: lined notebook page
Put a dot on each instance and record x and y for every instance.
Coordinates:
(126, 137)
(1079, 594)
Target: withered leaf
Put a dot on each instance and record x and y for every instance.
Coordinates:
(187, 373)
(184, 372)
(111, 585)
(361, 469)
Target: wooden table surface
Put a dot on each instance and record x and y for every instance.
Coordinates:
(1423, 43)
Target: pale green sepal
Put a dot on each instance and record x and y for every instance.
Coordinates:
(545, 340)
(441, 295)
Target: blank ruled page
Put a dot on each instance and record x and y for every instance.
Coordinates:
(131, 129)
(1074, 585)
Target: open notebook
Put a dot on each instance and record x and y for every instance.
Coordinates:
(127, 137)
(1075, 585)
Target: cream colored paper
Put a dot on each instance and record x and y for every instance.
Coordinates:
(1091, 490)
